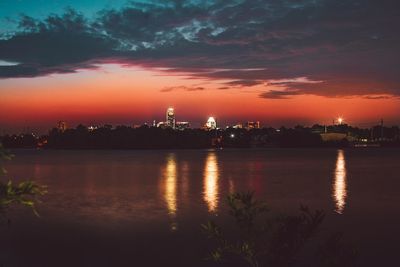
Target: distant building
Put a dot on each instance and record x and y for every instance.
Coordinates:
(162, 124)
(170, 121)
(319, 129)
(211, 124)
(237, 126)
(92, 128)
(170, 118)
(252, 125)
(336, 137)
(182, 125)
(62, 126)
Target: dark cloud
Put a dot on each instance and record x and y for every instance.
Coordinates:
(244, 83)
(184, 88)
(377, 97)
(276, 94)
(59, 44)
(350, 46)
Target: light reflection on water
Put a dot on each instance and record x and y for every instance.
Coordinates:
(102, 187)
(184, 178)
(339, 186)
(170, 187)
(170, 181)
(211, 177)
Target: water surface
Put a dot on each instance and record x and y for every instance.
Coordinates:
(144, 208)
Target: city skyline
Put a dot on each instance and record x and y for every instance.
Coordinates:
(120, 62)
(171, 121)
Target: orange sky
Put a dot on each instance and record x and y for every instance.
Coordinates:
(133, 95)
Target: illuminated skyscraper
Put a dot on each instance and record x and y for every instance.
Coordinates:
(170, 118)
(211, 124)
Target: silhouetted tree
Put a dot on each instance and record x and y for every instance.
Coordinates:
(25, 193)
(260, 239)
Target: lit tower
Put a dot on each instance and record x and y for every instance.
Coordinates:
(211, 124)
(170, 118)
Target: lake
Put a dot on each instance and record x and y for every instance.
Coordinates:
(144, 208)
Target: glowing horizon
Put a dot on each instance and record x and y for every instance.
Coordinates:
(132, 95)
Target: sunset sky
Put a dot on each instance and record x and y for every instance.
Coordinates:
(125, 62)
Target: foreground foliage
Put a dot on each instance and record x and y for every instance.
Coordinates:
(260, 239)
(25, 193)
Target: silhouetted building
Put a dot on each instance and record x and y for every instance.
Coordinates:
(237, 126)
(92, 128)
(62, 126)
(252, 125)
(162, 124)
(182, 125)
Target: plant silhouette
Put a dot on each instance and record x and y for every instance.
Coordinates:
(25, 193)
(262, 239)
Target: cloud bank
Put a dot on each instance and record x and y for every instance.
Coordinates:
(351, 47)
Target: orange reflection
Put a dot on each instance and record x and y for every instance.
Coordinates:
(211, 182)
(170, 184)
(169, 188)
(184, 180)
(231, 186)
(340, 183)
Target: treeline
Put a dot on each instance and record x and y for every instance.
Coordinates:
(124, 137)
